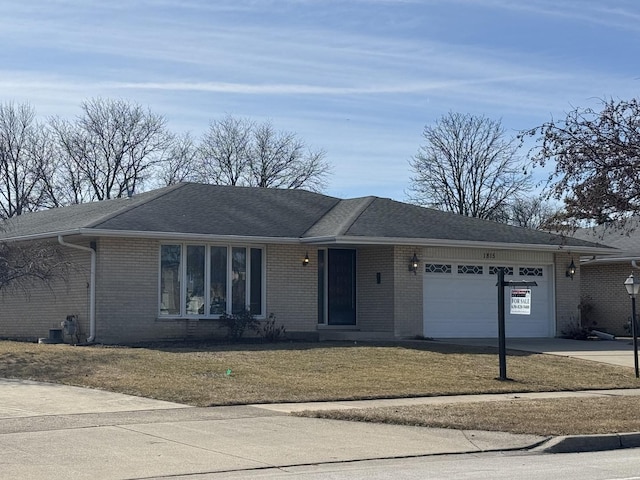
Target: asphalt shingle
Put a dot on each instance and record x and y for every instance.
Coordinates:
(199, 209)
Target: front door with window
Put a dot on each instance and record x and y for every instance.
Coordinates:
(341, 287)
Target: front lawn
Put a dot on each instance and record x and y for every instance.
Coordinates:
(209, 374)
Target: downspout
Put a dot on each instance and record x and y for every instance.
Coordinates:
(92, 286)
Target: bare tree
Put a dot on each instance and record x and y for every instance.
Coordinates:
(596, 155)
(469, 167)
(23, 265)
(225, 150)
(533, 212)
(281, 160)
(111, 149)
(181, 163)
(237, 151)
(25, 160)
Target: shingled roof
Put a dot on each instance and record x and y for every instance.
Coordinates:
(190, 209)
(625, 237)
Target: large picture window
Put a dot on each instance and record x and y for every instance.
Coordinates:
(209, 280)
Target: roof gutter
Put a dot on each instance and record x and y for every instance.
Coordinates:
(92, 286)
(92, 232)
(436, 242)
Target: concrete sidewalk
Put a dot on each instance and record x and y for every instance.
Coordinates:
(55, 431)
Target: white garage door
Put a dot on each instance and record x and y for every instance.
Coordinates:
(461, 301)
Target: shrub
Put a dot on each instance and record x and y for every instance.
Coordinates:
(238, 323)
(576, 331)
(271, 332)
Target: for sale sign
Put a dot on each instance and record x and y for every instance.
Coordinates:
(520, 301)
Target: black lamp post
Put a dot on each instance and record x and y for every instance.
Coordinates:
(633, 288)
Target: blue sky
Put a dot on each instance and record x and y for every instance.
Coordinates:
(359, 79)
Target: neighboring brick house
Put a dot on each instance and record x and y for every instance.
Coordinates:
(602, 281)
(165, 264)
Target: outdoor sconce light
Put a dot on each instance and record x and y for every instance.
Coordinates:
(413, 265)
(571, 271)
(305, 260)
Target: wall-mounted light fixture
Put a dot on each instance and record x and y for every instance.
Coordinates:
(305, 260)
(413, 264)
(571, 270)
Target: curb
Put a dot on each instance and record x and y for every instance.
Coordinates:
(589, 443)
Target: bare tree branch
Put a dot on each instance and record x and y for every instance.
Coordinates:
(25, 160)
(23, 265)
(597, 159)
(237, 151)
(110, 150)
(468, 167)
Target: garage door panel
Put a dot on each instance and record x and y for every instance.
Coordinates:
(461, 305)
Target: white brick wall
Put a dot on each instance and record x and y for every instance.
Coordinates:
(127, 294)
(30, 314)
(408, 293)
(375, 307)
(292, 288)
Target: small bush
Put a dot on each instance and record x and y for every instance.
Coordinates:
(576, 331)
(238, 323)
(271, 332)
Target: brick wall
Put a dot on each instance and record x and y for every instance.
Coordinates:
(408, 293)
(602, 286)
(30, 314)
(567, 292)
(375, 307)
(292, 288)
(127, 293)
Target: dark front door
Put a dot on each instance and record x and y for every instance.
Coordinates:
(341, 283)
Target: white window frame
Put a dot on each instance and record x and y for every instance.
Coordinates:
(207, 279)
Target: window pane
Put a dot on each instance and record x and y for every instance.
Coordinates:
(238, 279)
(255, 289)
(195, 279)
(170, 279)
(218, 280)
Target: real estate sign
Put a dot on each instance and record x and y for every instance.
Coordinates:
(520, 301)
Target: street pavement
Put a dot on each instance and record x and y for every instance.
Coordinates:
(55, 431)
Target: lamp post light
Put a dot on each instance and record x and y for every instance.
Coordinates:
(633, 288)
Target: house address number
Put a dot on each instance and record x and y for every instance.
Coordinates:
(489, 255)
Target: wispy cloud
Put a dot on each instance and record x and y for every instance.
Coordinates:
(360, 77)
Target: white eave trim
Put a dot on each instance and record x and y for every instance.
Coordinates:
(611, 259)
(329, 240)
(92, 232)
(434, 242)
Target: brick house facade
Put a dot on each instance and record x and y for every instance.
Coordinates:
(155, 265)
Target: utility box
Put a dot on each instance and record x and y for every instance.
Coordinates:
(55, 335)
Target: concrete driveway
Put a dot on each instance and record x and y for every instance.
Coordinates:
(614, 352)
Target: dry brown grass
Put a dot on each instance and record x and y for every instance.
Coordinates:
(562, 416)
(289, 372)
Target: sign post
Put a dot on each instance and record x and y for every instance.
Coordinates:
(520, 305)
